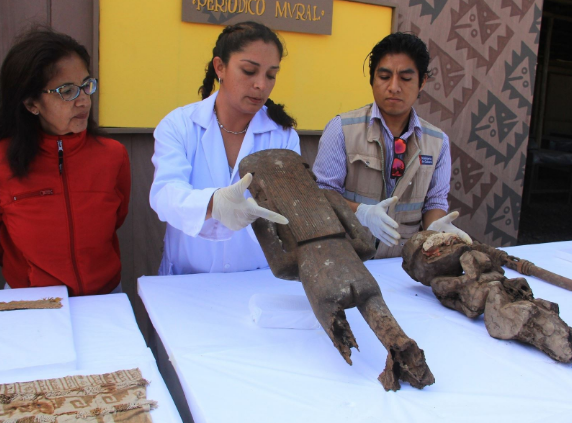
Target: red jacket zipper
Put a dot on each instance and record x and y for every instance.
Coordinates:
(68, 208)
(45, 191)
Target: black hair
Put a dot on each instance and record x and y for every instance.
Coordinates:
(235, 38)
(27, 68)
(401, 42)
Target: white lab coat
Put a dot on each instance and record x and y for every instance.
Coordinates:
(190, 164)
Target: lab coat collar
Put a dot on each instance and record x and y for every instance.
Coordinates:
(213, 145)
(203, 116)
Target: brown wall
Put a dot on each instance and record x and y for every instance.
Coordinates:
(141, 236)
(74, 17)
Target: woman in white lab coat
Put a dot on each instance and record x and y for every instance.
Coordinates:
(196, 188)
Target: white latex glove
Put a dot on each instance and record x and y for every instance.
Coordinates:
(236, 212)
(444, 225)
(379, 223)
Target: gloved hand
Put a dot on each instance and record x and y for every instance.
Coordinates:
(236, 212)
(379, 223)
(444, 225)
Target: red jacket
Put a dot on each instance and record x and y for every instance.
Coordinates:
(58, 225)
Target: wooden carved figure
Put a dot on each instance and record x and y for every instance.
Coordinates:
(323, 246)
(473, 282)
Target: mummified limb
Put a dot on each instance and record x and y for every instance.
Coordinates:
(472, 282)
(323, 246)
(467, 293)
(534, 321)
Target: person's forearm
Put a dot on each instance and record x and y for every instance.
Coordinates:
(352, 205)
(431, 216)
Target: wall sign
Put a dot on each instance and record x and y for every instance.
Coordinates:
(320, 77)
(310, 16)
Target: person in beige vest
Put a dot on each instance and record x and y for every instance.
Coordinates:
(392, 167)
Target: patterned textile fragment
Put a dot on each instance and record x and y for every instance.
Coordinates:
(27, 305)
(111, 397)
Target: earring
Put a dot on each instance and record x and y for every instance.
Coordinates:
(220, 81)
(36, 112)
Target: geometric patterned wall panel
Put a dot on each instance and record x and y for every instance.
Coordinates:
(483, 62)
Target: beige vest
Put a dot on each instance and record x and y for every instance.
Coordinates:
(365, 180)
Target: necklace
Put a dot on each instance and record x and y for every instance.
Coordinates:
(228, 130)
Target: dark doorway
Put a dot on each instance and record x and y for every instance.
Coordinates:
(546, 213)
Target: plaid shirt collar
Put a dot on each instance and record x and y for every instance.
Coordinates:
(414, 123)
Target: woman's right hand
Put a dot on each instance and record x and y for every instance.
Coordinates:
(236, 212)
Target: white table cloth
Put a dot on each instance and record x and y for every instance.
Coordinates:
(36, 339)
(106, 338)
(233, 371)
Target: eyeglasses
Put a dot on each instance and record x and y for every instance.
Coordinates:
(69, 92)
(398, 166)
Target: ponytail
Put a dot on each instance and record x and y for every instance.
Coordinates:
(208, 82)
(277, 113)
(229, 41)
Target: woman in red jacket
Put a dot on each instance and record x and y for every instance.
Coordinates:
(64, 189)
